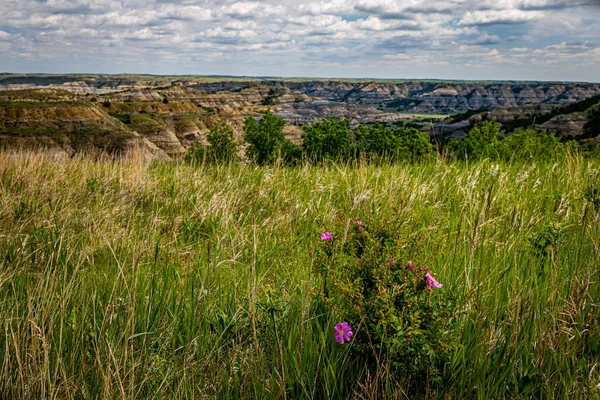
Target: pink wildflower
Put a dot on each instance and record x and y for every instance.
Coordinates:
(359, 223)
(431, 282)
(343, 332)
(326, 236)
(393, 261)
(410, 266)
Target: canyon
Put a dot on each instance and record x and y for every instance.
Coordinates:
(163, 116)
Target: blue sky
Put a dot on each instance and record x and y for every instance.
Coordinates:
(453, 39)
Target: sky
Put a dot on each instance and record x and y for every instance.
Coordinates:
(403, 39)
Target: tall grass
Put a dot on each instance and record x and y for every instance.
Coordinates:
(134, 279)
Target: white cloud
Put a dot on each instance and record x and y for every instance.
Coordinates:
(315, 36)
(498, 17)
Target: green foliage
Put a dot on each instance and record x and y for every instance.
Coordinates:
(592, 195)
(291, 154)
(124, 118)
(531, 144)
(92, 184)
(193, 230)
(264, 137)
(522, 145)
(223, 148)
(328, 139)
(482, 142)
(23, 209)
(548, 240)
(369, 280)
(398, 144)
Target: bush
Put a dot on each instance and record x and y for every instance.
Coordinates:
(482, 142)
(265, 137)
(523, 145)
(398, 144)
(291, 154)
(329, 139)
(531, 144)
(222, 147)
(399, 317)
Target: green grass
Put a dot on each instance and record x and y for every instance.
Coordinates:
(130, 279)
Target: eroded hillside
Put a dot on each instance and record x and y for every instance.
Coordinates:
(164, 116)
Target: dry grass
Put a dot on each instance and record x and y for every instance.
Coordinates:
(138, 279)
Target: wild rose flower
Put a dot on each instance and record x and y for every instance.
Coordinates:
(343, 332)
(326, 236)
(431, 282)
(410, 266)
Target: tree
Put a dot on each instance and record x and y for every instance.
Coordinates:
(482, 142)
(394, 144)
(264, 137)
(413, 145)
(223, 148)
(531, 144)
(328, 139)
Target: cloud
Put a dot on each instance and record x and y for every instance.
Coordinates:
(486, 39)
(555, 4)
(498, 17)
(298, 36)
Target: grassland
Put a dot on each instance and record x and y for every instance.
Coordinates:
(131, 279)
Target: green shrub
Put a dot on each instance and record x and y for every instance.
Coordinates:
(398, 144)
(482, 142)
(223, 148)
(413, 145)
(291, 154)
(399, 319)
(329, 139)
(531, 144)
(222, 145)
(523, 145)
(264, 137)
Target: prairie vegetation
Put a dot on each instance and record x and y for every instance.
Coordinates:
(135, 279)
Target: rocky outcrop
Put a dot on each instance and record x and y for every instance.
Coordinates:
(404, 96)
(423, 97)
(570, 126)
(579, 120)
(303, 113)
(67, 128)
(167, 141)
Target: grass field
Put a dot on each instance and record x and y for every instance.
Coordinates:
(145, 280)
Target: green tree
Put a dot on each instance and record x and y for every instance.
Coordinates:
(531, 144)
(413, 145)
(482, 142)
(222, 144)
(328, 139)
(223, 148)
(393, 144)
(264, 137)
